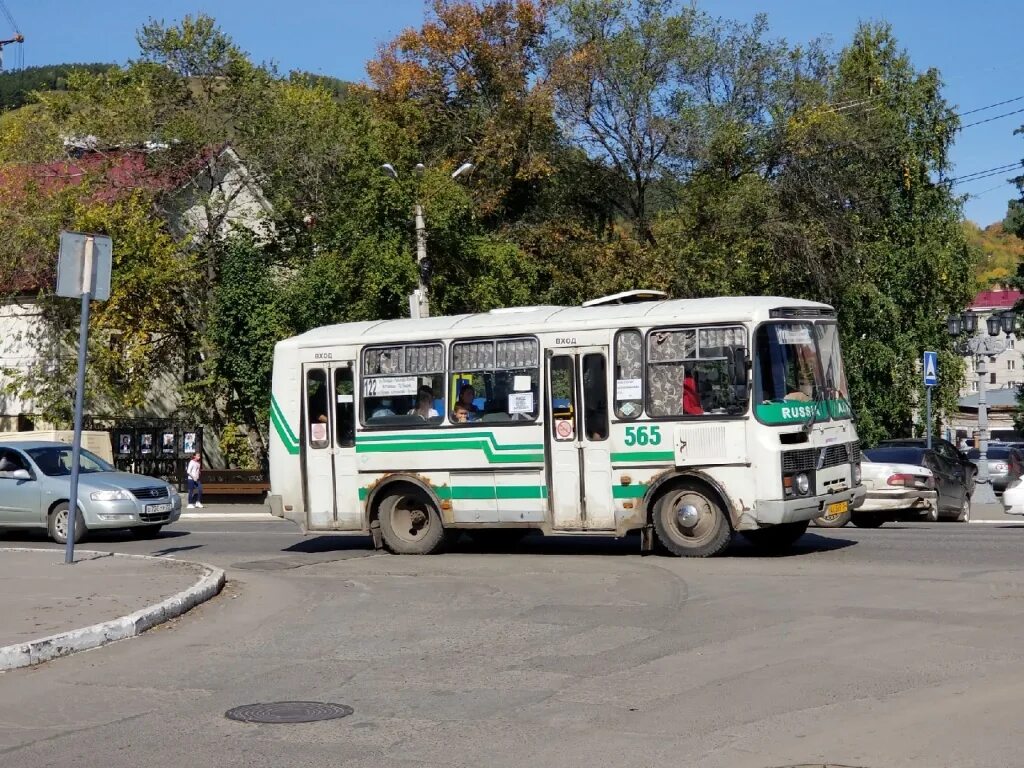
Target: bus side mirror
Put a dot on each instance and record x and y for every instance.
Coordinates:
(738, 367)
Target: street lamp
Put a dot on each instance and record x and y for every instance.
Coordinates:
(983, 349)
(419, 306)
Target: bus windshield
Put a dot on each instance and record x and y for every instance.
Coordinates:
(787, 373)
(835, 375)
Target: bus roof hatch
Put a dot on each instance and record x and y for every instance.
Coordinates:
(627, 297)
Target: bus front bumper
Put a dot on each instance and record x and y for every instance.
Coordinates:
(776, 511)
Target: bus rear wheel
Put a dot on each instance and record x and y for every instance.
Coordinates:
(690, 522)
(410, 523)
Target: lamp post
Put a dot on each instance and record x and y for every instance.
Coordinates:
(983, 348)
(419, 305)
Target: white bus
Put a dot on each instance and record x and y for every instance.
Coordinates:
(686, 420)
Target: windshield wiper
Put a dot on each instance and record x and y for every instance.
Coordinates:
(821, 396)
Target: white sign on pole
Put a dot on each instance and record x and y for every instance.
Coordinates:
(83, 265)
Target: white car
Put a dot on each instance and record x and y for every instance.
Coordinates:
(892, 490)
(1013, 498)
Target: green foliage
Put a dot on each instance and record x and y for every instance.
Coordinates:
(16, 87)
(999, 253)
(617, 145)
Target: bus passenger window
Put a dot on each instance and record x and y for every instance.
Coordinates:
(495, 380)
(688, 372)
(629, 373)
(317, 406)
(403, 385)
(345, 408)
(595, 396)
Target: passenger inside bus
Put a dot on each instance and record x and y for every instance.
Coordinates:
(425, 405)
(383, 409)
(691, 398)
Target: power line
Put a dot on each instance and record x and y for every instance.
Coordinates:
(989, 120)
(997, 169)
(978, 178)
(990, 106)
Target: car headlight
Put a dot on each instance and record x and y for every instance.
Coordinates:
(111, 496)
(856, 474)
(172, 491)
(803, 485)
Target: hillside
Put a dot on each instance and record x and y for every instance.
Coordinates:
(1001, 252)
(16, 86)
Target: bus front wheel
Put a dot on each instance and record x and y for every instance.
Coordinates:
(410, 523)
(690, 522)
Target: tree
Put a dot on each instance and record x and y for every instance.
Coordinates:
(622, 71)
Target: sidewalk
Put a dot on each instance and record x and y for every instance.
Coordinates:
(251, 512)
(992, 514)
(51, 609)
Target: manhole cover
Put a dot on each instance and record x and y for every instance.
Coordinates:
(288, 712)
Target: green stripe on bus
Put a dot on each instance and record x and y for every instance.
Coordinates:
(628, 491)
(625, 456)
(483, 492)
(288, 439)
(275, 408)
(493, 457)
(489, 436)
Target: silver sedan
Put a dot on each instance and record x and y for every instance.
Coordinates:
(35, 485)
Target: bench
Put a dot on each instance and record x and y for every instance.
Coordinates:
(235, 489)
(234, 482)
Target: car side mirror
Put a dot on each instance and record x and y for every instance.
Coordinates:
(21, 474)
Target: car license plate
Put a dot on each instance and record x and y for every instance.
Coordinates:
(834, 510)
(154, 509)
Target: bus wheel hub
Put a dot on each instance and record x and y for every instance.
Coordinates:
(687, 515)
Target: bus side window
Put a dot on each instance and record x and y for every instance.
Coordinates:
(345, 408)
(629, 373)
(595, 396)
(317, 408)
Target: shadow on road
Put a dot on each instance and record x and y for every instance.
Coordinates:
(172, 550)
(318, 544)
(39, 536)
(507, 542)
(808, 544)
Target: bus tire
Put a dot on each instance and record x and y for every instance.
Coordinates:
(409, 522)
(777, 538)
(690, 521)
(833, 521)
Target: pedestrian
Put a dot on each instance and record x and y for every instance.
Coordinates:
(195, 485)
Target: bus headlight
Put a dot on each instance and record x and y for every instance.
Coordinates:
(802, 484)
(856, 474)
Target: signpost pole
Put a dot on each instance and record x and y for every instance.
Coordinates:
(928, 416)
(76, 446)
(930, 368)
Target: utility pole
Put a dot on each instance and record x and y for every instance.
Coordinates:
(419, 301)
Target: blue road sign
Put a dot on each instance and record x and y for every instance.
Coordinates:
(931, 368)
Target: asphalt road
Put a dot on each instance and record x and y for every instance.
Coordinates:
(893, 647)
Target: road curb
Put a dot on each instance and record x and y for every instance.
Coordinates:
(72, 641)
(229, 517)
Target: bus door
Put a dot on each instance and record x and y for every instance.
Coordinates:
(329, 453)
(577, 438)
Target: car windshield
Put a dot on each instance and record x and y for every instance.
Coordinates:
(895, 455)
(56, 461)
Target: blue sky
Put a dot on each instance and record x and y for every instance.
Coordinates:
(976, 46)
